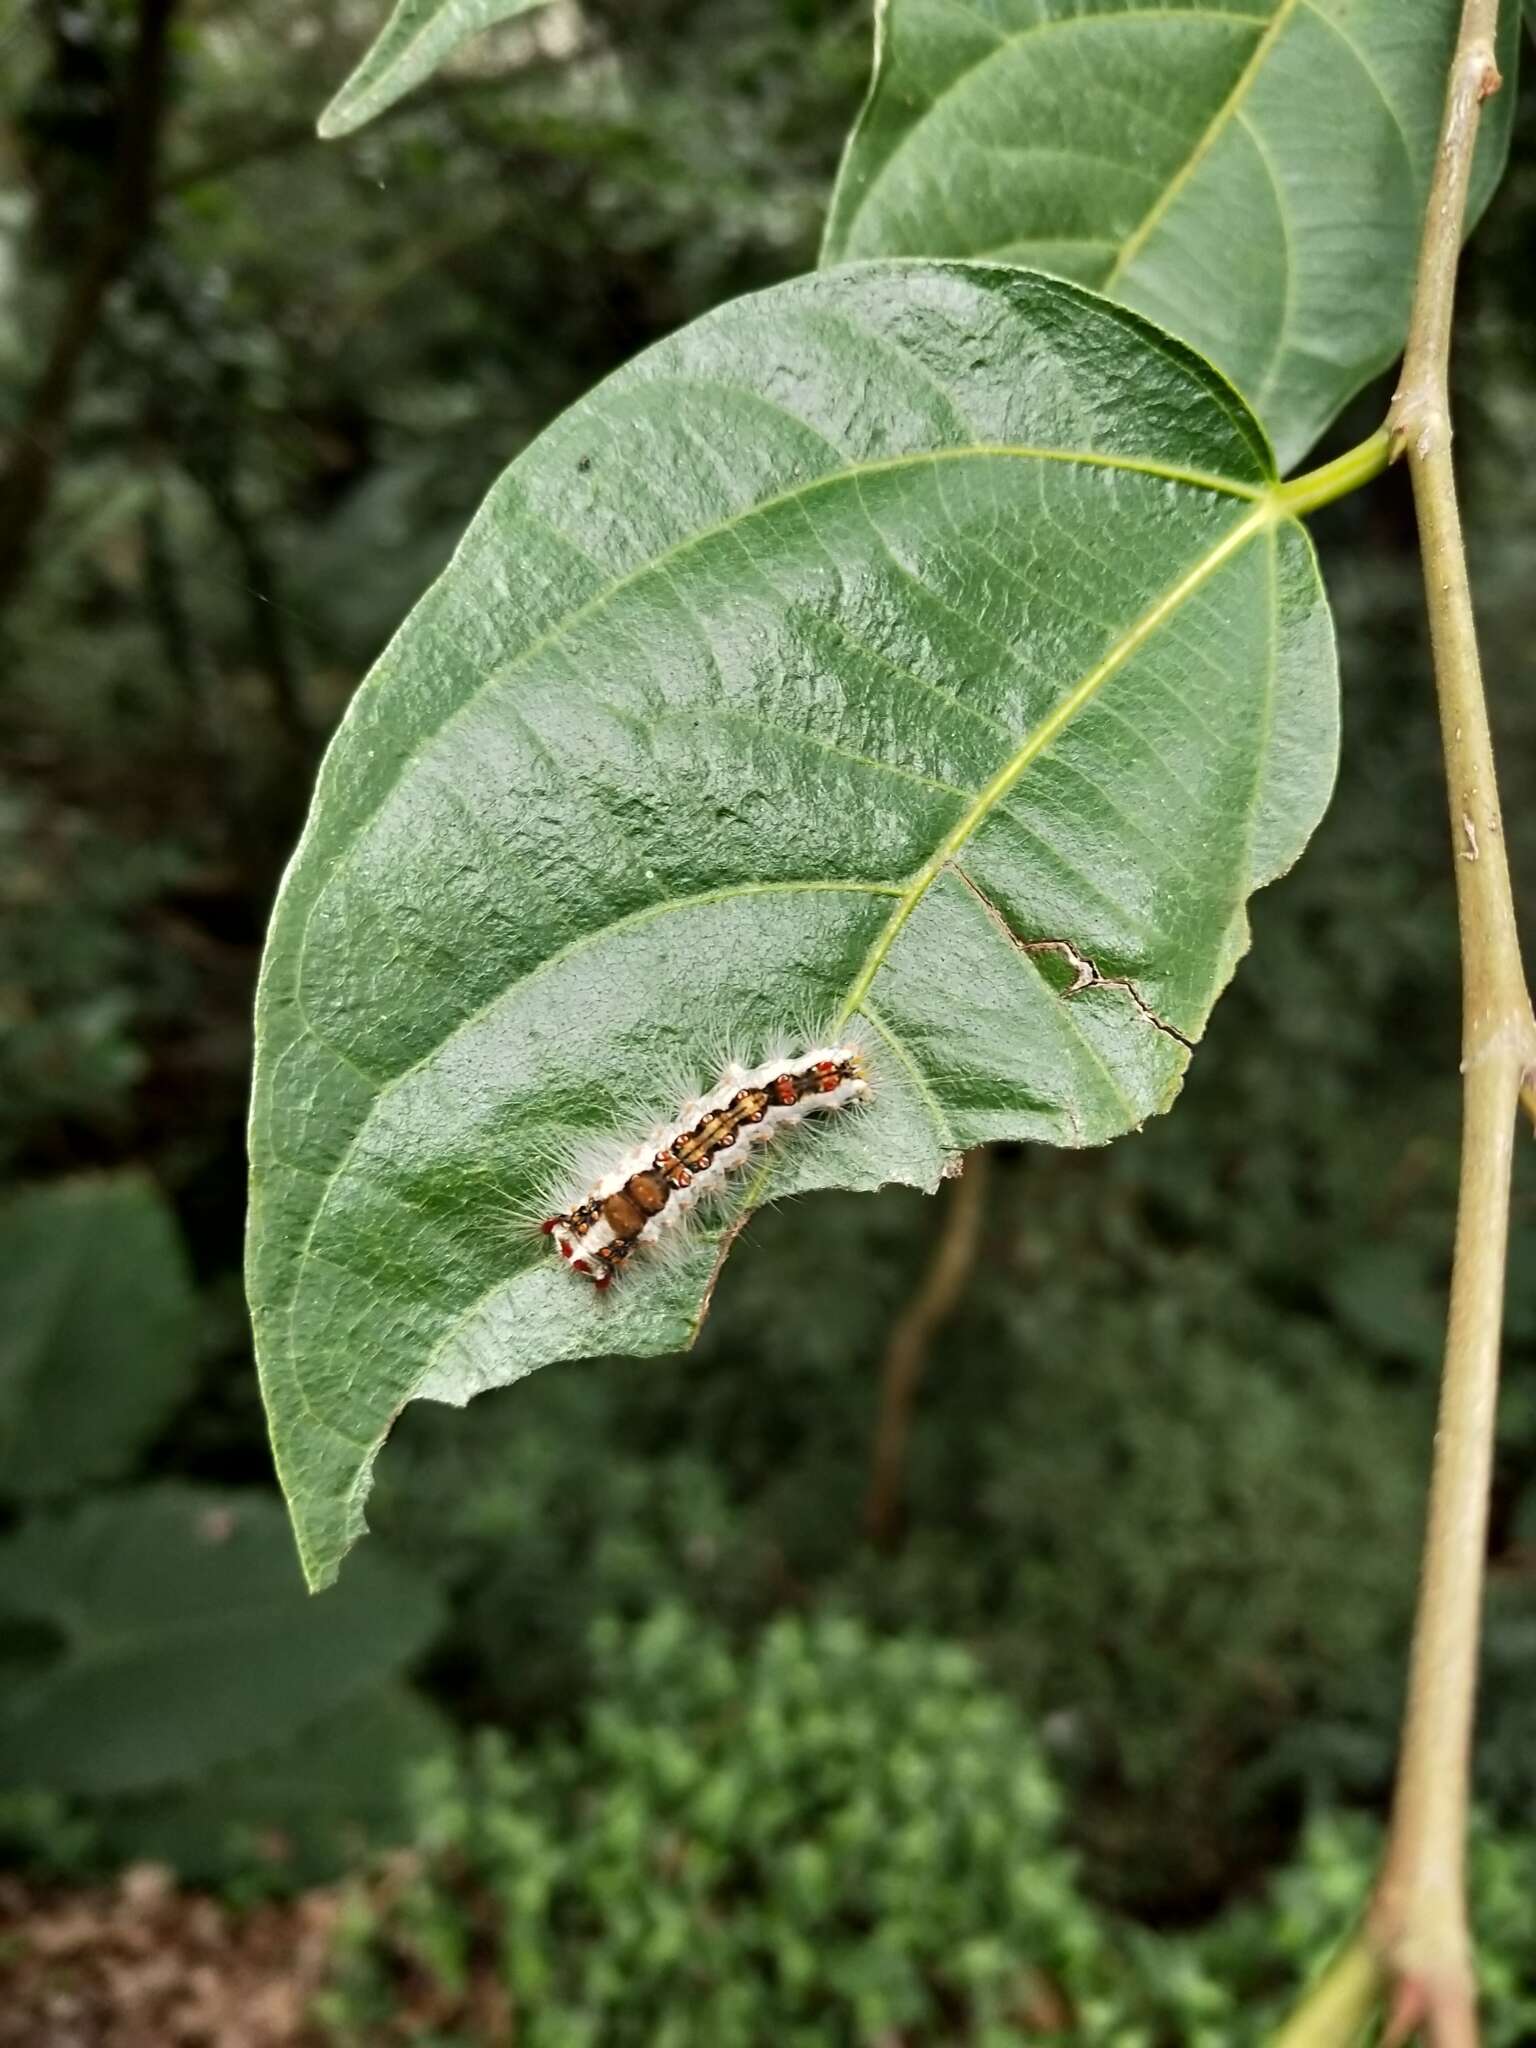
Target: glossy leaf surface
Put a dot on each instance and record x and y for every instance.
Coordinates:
(417, 38)
(918, 643)
(1251, 175)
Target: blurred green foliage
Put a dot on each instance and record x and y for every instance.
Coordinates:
(280, 1814)
(97, 1330)
(166, 1687)
(728, 1846)
(287, 1811)
(834, 1839)
(1180, 1521)
(80, 989)
(1167, 1468)
(166, 1632)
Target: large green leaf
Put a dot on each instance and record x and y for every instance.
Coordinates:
(418, 37)
(305, 1810)
(1251, 175)
(887, 644)
(178, 1636)
(97, 1323)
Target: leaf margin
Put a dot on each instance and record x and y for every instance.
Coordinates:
(416, 40)
(1488, 168)
(1272, 506)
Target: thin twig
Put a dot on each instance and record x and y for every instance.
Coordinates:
(907, 1351)
(1417, 1938)
(1418, 1920)
(26, 479)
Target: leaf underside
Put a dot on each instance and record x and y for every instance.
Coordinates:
(918, 642)
(1251, 174)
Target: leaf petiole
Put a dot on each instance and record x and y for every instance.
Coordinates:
(1336, 479)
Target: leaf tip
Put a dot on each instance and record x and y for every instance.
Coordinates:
(339, 118)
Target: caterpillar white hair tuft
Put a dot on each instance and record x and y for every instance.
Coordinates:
(636, 1198)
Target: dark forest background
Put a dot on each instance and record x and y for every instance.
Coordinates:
(1166, 1472)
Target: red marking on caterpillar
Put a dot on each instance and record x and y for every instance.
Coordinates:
(660, 1181)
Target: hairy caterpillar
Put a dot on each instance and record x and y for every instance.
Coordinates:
(661, 1180)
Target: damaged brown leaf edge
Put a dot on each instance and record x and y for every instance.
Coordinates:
(1085, 972)
(1086, 977)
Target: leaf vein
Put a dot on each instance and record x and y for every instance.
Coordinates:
(1136, 241)
(942, 1126)
(1009, 42)
(1040, 738)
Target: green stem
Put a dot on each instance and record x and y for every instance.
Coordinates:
(1416, 1935)
(1340, 2005)
(1418, 1922)
(1336, 479)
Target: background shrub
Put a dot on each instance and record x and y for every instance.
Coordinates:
(832, 1837)
(832, 1841)
(1164, 1480)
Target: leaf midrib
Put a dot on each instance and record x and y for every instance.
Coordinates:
(1035, 742)
(1139, 236)
(1268, 27)
(850, 472)
(1258, 495)
(701, 537)
(1267, 510)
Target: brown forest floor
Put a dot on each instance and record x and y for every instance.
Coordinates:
(142, 1965)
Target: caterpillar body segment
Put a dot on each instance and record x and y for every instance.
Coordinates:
(655, 1185)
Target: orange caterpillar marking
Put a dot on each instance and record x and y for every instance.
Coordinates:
(678, 1165)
